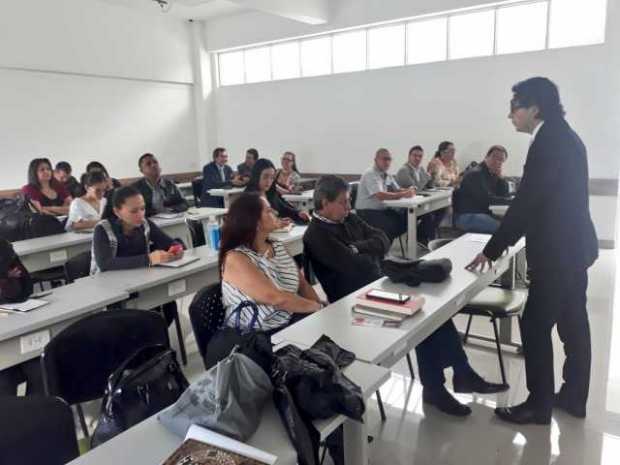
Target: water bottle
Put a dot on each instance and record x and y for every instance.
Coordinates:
(213, 233)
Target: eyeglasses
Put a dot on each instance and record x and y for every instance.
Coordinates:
(287, 159)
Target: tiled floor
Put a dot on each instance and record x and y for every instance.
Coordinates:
(415, 435)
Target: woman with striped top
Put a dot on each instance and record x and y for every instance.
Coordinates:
(262, 287)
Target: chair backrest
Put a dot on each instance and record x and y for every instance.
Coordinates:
(36, 430)
(207, 313)
(437, 243)
(78, 267)
(197, 189)
(353, 194)
(196, 231)
(77, 362)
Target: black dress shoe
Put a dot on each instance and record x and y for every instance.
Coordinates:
(563, 402)
(444, 401)
(523, 414)
(475, 383)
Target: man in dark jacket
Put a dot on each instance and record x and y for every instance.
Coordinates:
(482, 187)
(345, 253)
(160, 195)
(217, 175)
(552, 210)
(62, 174)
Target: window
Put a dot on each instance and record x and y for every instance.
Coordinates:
(285, 60)
(316, 56)
(522, 28)
(257, 65)
(231, 68)
(575, 22)
(349, 49)
(427, 41)
(472, 34)
(386, 46)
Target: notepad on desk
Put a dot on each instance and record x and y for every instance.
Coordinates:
(22, 307)
(365, 303)
(185, 260)
(167, 216)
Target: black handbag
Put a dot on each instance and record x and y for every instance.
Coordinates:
(19, 220)
(147, 382)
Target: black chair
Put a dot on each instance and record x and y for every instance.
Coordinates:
(207, 314)
(77, 267)
(77, 362)
(54, 276)
(197, 189)
(353, 194)
(196, 231)
(36, 430)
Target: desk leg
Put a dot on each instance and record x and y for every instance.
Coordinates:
(356, 442)
(412, 234)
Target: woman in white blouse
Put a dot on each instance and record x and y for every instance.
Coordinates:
(85, 212)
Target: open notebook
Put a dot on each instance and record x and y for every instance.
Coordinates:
(186, 260)
(204, 447)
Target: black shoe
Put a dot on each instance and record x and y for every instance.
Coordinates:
(563, 402)
(444, 401)
(523, 414)
(475, 383)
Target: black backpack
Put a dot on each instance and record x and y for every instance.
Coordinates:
(19, 221)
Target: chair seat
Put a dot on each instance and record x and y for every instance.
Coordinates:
(496, 302)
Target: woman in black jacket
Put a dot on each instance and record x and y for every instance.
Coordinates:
(262, 181)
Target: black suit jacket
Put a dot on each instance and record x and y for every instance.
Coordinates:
(173, 199)
(211, 179)
(551, 207)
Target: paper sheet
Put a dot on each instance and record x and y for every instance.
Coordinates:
(26, 306)
(482, 238)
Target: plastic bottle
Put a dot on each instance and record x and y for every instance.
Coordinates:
(213, 233)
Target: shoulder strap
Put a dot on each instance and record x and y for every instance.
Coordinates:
(107, 227)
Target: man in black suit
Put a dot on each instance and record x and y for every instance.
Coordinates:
(552, 210)
(217, 175)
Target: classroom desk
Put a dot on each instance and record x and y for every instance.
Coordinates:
(385, 346)
(303, 201)
(149, 443)
(292, 240)
(22, 336)
(499, 210)
(228, 194)
(418, 206)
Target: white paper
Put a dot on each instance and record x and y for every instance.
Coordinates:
(176, 287)
(26, 306)
(58, 256)
(167, 216)
(185, 260)
(34, 341)
(482, 238)
(209, 437)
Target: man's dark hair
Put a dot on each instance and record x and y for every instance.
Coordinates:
(328, 188)
(217, 152)
(416, 147)
(63, 166)
(500, 148)
(252, 152)
(541, 92)
(144, 157)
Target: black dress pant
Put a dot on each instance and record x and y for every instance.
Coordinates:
(392, 222)
(556, 297)
(440, 350)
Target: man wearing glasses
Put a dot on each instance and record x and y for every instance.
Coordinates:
(377, 185)
(551, 210)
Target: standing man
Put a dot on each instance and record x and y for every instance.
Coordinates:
(217, 175)
(551, 209)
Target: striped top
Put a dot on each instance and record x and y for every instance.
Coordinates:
(282, 271)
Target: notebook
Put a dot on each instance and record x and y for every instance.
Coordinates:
(186, 260)
(408, 308)
(26, 306)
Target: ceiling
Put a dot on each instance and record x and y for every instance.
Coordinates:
(186, 9)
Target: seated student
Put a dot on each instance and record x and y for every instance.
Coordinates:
(346, 255)
(244, 170)
(262, 181)
(62, 174)
(113, 183)
(481, 187)
(217, 175)
(128, 240)
(160, 194)
(443, 167)
(375, 186)
(86, 211)
(16, 286)
(287, 178)
(46, 194)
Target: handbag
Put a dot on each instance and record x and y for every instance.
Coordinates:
(147, 382)
(228, 399)
(19, 220)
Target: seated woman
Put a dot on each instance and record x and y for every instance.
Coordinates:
(96, 166)
(86, 211)
(128, 240)
(262, 181)
(443, 167)
(288, 177)
(262, 287)
(46, 194)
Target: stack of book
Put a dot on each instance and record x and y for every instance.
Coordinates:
(373, 311)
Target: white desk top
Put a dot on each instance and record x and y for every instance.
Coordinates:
(226, 192)
(499, 210)
(295, 234)
(419, 199)
(65, 303)
(202, 213)
(372, 344)
(184, 185)
(302, 196)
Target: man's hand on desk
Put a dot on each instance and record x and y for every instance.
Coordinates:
(408, 193)
(479, 263)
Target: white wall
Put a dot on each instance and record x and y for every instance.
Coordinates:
(83, 80)
(336, 122)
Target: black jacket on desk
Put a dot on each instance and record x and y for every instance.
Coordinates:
(479, 189)
(551, 207)
(211, 179)
(340, 268)
(173, 199)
